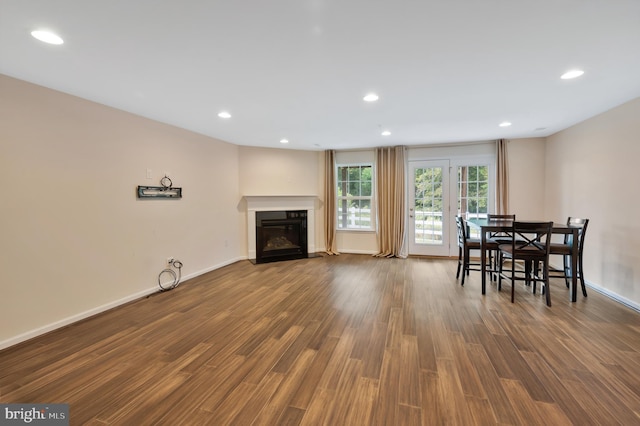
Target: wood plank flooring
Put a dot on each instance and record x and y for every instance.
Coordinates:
(340, 340)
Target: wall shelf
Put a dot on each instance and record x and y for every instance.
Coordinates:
(159, 192)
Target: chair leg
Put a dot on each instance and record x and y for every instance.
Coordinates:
(500, 275)
(497, 260)
(493, 265)
(567, 270)
(465, 265)
(459, 262)
(528, 270)
(581, 275)
(533, 274)
(547, 288)
(513, 280)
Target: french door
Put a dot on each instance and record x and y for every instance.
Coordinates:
(429, 207)
(438, 191)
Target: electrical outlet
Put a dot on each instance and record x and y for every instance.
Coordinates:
(170, 260)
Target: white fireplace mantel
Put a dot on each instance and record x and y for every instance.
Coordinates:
(256, 203)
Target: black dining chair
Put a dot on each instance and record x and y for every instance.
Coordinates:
(494, 239)
(465, 245)
(564, 249)
(531, 242)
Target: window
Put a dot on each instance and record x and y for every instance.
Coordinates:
(355, 196)
(473, 192)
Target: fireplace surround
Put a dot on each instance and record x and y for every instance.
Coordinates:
(280, 203)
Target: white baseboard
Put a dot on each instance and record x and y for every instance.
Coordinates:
(608, 293)
(614, 296)
(74, 318)
(91, 312)
(352, 251)
(214, 267)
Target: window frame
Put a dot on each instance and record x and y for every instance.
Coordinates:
(372, 200)
(483, 160)
(468, 198)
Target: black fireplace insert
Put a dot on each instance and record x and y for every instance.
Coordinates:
(281, 235)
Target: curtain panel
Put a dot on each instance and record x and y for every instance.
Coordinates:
(330, 202)
(502, 177)
(391, 201)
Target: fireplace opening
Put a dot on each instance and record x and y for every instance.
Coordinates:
(281, 235)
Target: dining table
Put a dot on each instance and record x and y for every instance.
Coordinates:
(486, 226)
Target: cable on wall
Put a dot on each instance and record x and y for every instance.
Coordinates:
(174, 278)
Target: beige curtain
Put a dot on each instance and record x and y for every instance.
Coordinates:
(330, 202)
(502, 178)
(391, 201)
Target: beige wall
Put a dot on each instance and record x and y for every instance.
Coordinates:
(75, 239)
(526, 159)
(474, 149)
(527, 178)
(268, 171)
(592, 172)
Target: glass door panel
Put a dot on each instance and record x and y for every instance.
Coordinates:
(429, 208)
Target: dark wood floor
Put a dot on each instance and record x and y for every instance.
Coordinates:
(343, 340)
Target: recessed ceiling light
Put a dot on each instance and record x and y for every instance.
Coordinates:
(571, 74)
(47, 37)
(224, 114)
(385, 133)
(371, 97)
(504, 124)
(284, 141)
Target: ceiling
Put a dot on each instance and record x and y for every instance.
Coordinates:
(445, 71)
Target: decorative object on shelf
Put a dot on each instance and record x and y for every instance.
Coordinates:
(165, 191)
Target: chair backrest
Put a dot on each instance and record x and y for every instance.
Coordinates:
(578, 223)
(462, 233)
(502, 218)
(531, 238)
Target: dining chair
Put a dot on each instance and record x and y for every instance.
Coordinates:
(465, 245)
(531, 242)
(494, 239)
(564, 249)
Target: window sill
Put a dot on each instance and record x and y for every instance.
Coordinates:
(371, 231)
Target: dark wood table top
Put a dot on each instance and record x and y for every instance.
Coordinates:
(502, 224)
